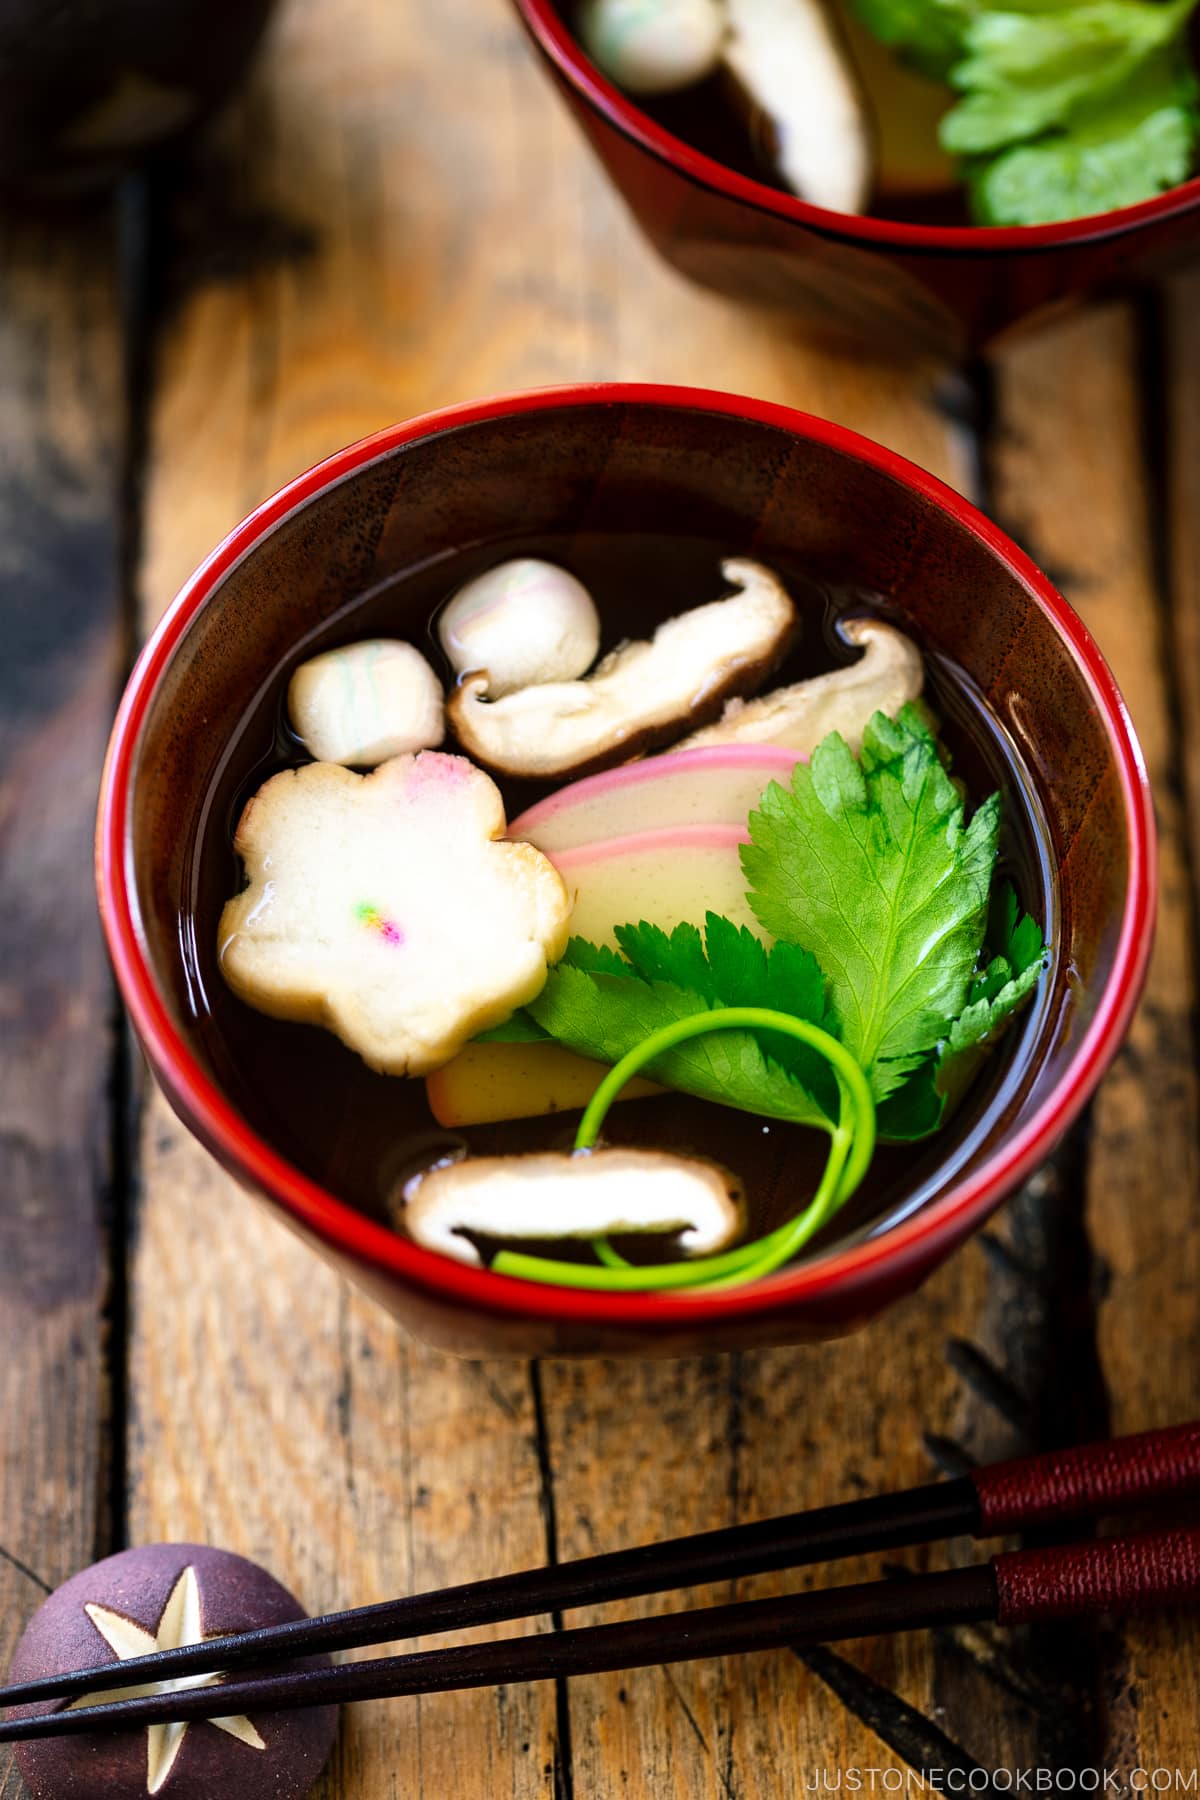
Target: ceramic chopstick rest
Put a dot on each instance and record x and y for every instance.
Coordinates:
(160, 1597)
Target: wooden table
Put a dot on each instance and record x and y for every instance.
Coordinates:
(396, 215)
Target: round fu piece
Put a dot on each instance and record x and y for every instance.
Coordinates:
(157, 1598)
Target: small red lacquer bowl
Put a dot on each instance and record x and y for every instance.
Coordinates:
(899, 288)
(755, 479)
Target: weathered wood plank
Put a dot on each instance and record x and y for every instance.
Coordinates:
(1175, 421)
(378, 305)
(1071, 482)
(385, 1468)
(276, 1412)
(382, 300)
(985, 1355)
(371, 238)
(60, 407)
(642, 1450)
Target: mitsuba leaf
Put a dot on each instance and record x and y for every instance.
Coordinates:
(873, 869)
(1067, 107)
(1018, 937)
(1111, 151)
(915, 1110)
(981, 1018)
(600, 959)
(1073, 109)
(878, 892)
(679, 958)
(604, 1016)
(520, 1029)
(921, 1104)
(927, 34)
(602, 1002)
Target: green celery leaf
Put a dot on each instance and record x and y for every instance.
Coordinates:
(873, 870)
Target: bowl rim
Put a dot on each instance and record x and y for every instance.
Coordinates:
(919, 1240)
(549, 31)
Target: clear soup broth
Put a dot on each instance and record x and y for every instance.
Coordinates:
(360, 1134)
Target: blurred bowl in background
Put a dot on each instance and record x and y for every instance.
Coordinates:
(86, 86)
(891, 285)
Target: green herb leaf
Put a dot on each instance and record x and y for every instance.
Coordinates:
(868, 871)
(523, 1028)
(921, 1104)
(926, 33)
(1018, 937)
(732, 967)
(1068, 108)
(599, 959)
(1137, 147)
(982, 1017)
(915, 1110)
(679, 959)
(602, 1015)
(1025, 73)
(1075, 110)
(520, 1029)
(872, 868)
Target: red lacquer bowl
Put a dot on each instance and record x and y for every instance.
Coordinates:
(753, 478)
(896, 287)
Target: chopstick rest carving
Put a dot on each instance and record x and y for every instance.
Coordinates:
(159, 1598)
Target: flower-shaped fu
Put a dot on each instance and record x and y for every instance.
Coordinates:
(179, 1624)
(385, 907)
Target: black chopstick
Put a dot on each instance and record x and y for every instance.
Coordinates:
(1087, 1481)
(874, 1607)
(882, 1522)
(1142, 1572)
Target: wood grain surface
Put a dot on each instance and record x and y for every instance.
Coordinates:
(60, 599)
(365, 236)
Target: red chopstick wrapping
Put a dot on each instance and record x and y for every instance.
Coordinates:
(1141, 1573)
(1090, 1480)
